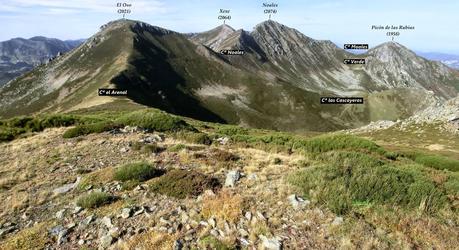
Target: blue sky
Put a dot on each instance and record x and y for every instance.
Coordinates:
(344, 21)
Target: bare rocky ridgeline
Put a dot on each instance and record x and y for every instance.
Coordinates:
(444, 114)
(42, 178)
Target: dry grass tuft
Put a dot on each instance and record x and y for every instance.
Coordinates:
(225, 205)
(35, 237)
(150, 240)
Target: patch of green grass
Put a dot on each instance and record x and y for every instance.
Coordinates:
(181, 183)
(94, 200)
(154, 120)
(325, 143)
(12, 128)
(347, 177)
(9, 134)
(92, 128)
(231, 130)
(139, 171)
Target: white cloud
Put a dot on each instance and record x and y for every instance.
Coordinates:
(79, 6)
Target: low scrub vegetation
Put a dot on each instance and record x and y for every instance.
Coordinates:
(181, 183)
(154, 120)
(223, 206)
(10, 129)
(35, 237)
(87, 129)
(94, 200)
(195, 137)
(433, 161)
(210, 242)
(149, 119)
(139, 171)
(343, 178)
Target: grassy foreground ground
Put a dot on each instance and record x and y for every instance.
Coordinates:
(149, 180)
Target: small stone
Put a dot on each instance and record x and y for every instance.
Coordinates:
(297, 202)
(260, 216)
(88, 220)
(77, 210)
(248, 216)
(60, 214)
(232, 177)
(81, 242)
(126, 213)
(105, 241)
(164, 221)
(244, 242)
(212, 222)
(243, 232)
(223, 140)
(71, 225)
(124, 150)
(178, 245)
(138, 188)
(56, 230)
(62, 237)
(270, 243)
(215, 233)
(139, 211)
(184, 218)
(338, 221)
(252, 177)
(67, 187)
(107, 222)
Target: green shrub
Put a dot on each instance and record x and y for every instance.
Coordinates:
(140, 171)
(58, 121)
(9, 134)
(181, 184)
(154, 120)
(90, 129)
(327, 143)
(94, 199)
(437, 162)
(231, 130)
(19, 122)
(196, 138)
(348, 177)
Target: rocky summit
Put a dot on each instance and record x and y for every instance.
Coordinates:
(275, 81)
(147, 138)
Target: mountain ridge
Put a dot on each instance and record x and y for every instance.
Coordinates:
(19, 55)
(276, 84)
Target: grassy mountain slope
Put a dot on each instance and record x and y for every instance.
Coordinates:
(151, 181)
